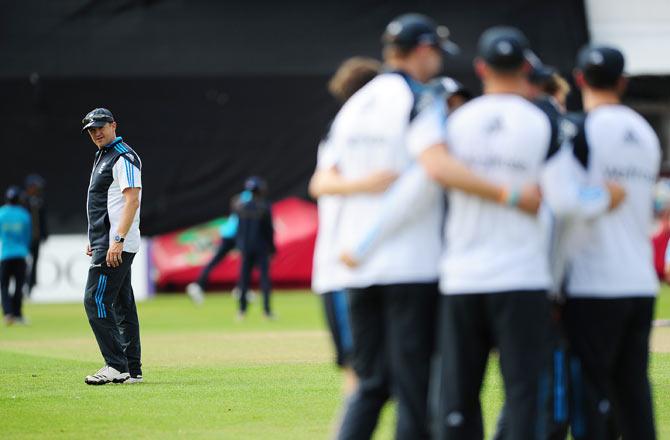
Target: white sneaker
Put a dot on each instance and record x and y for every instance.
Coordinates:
(105, 375)
(135, 379)
(194, 291)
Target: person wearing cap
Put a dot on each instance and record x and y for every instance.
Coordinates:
(495, 270)
(255, 241)
(113, 207)
(228, 232)
(391, 254)
(15, 233)
(548, 90)
(611, 285)
(34, 190)
(455, 93)
(350, 76)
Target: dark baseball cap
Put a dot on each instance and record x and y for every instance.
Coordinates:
(541, 74)
(506, 48)
(255, 184)
(410, 30)
(13, 194)
(602, 66)
(97, 118)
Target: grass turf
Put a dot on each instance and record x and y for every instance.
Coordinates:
(207, 376)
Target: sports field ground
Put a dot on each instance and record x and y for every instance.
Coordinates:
(206, 375)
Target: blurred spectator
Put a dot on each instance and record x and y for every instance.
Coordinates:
(228, 233)
(662, 234)
(455, 93)
(548, 89)
(353, 74)
(34, 202)
(14, 248)
(255, 240)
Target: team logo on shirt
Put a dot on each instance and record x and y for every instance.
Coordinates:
(631, 138)
(493, 126)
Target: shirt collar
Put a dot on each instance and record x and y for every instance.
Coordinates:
(114, 142)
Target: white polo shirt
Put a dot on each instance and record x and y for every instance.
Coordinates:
(490, 247)
(385, 126)
(614, 257)
(327, 271)
(126, 174)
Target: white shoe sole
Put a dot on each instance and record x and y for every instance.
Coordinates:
(91, 381)
(133, 380)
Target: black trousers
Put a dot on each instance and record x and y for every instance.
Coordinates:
(336, 308)
(393, 330)
(558, 409)
(110, 306)
(249, 261)
(227, 245)
(469, 327)
(35, 253)
(12, 302)
(609, 339)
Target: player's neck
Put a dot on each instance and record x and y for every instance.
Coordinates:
(593, 98)
(409, 68)
(512, 85)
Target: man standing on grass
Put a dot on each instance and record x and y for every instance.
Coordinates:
(394, 124)
(113, 206)
(611, 283)
(494, 271)
(15, 227)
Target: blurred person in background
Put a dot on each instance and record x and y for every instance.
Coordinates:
(391, 241)
(352, 74)
(15, 237)
(228, 232)
(548, 89)
(34, 200)
(455, 93)
(611, 283)
(661, 234)
(255, 241)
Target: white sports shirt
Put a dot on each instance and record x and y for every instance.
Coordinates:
(327, 271)
(614, 257)
(385, 126)
(126, 175)
(490, 247)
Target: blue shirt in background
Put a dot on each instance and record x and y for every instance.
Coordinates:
(15, 232)
(229, 227)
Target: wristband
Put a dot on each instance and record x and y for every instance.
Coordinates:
(509, 197)
(513, 198)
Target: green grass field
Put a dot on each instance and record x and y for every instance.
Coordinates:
(206, 375)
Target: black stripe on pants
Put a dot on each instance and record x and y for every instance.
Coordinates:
(110, 306)
(469, 327)
(609, 339)
(393, 329)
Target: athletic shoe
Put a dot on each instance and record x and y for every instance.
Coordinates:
(135, 379)
(9, 320)
(21, 321)
(194, 291)
(270, 316)
(105, 375)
